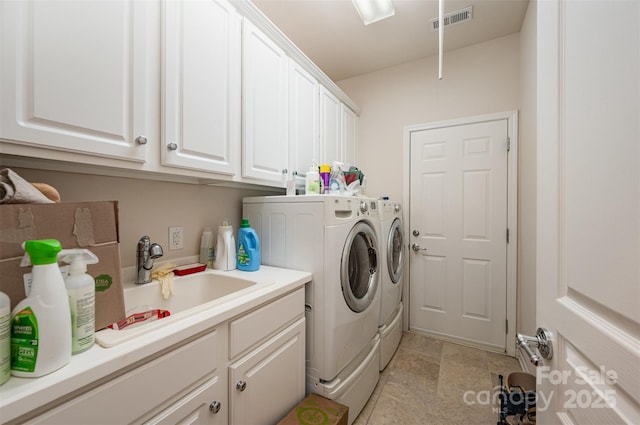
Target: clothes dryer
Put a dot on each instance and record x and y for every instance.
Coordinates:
(391, 279)
(336, 239)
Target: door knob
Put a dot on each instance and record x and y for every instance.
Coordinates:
(241, 385)
(214, 407)
(416, 233)
(542, 342)
(415, 247)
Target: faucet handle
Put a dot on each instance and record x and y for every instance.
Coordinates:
(155, 250)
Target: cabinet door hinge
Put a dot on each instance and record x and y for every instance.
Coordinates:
(506, 326)
(507, 235)
(508, 144)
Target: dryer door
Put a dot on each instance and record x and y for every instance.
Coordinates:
(395, 250)
(359, 267)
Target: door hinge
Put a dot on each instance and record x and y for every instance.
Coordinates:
(506, 326)
(508, 144)
(507, 235)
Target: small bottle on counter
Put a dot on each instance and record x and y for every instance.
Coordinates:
(206, 247)
(312, 181)
(325, 176)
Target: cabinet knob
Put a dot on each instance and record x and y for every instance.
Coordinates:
(214, 407)
(141, 140)
(172, 146)
(241, 385)
(285, 171)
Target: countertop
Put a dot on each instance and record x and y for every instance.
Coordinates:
(19, 396)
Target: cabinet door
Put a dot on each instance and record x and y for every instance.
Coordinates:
(204, 405)
(303, 121)
(74, 76)
(349, 134)
(269, 381)
(330, 128)
(201, 86)
(264, 97)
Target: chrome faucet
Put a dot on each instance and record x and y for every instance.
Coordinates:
(147, 252)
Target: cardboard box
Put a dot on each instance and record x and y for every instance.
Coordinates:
(90, 225)
(317, 410)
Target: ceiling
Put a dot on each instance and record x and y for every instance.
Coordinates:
(332, 35)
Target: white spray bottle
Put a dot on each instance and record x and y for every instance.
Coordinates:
(82, 297)
(41, 324)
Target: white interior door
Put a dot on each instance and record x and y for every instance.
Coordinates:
(588, 252)
(458, 231)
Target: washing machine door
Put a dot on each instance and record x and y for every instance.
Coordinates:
(395, 251)
(359, 267)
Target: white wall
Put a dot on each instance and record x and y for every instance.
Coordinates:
(480, 79)
(149, 207)
(495, 76)
(527, 177)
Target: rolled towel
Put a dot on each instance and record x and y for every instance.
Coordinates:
(164, 275)
(16, 190)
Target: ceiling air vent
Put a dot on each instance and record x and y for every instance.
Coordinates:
(453, 18)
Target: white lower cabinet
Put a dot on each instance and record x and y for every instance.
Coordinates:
(269, 381)
(248, 370)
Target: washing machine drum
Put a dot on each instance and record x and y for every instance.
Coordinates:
(395, 251)
(359, 267)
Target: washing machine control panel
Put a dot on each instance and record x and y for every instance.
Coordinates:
(364, 207)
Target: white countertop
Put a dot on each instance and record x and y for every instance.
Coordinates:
(19, 396)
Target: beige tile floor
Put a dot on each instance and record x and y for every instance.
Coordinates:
(426, 381)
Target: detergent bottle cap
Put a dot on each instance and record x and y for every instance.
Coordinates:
(39, 252)
(325, 168)
(245, 223)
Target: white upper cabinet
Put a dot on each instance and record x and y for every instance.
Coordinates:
(74, 76)
(331, 148)
(303, 121)
(264, 106)
(201, 86)
(349, 134)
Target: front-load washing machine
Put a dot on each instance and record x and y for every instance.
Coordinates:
(335, 238)
(391, 278)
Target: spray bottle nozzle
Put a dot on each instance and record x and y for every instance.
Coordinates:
(79, 257)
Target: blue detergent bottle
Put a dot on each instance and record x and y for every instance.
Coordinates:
(248, 248)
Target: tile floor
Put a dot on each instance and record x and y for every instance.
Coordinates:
(426, 381)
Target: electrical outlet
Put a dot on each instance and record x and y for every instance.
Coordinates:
(176, 238)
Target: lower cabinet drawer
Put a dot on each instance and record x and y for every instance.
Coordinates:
(133, 395)
(263, 322)
(205, 405)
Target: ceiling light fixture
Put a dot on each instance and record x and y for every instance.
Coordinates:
(371, 11)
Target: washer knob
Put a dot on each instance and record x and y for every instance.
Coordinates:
(364, 207)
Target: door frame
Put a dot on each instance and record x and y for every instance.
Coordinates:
(512, 208)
